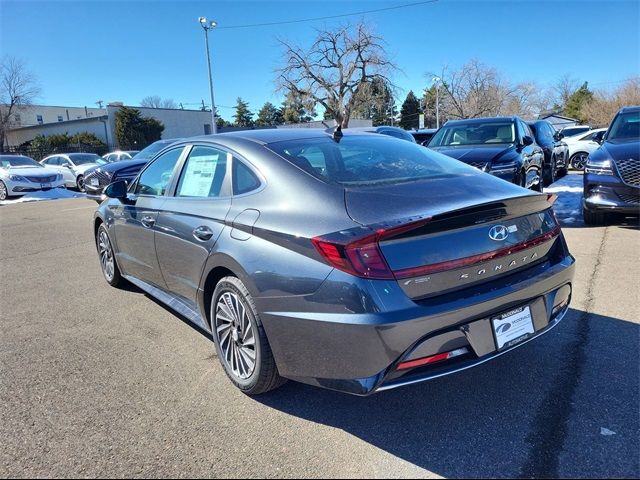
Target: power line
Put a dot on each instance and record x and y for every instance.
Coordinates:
(328, 17)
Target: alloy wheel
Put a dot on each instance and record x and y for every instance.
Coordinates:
(579, 160)
(3, 191)
(80, 183)
(236, 336)
(106, 255)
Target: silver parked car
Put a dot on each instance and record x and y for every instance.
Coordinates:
(72, 166)
(356, 262)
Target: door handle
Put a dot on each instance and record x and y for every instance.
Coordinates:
(147, 221)
(203, 233)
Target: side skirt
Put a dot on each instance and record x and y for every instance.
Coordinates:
(171, 301)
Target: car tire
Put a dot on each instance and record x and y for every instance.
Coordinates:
(3, 191)
(238, 335)
(107, 258)
(593, 218)
(80, 183)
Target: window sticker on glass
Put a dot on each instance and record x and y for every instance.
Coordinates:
(198, 175)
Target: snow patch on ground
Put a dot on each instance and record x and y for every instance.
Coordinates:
(568, 206)
(53, 194)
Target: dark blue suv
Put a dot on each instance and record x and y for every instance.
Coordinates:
(612, 172)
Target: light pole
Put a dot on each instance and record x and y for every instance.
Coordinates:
(206, 25)
(436, 80)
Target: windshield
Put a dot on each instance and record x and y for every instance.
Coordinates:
(474, 134)
(17, 161)
(369, 160)
(151, 149)
(84, 158)
(625, 127)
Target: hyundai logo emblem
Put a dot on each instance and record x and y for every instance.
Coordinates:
(498, 233)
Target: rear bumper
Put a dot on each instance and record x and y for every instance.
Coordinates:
(608, 193)
(361, 330)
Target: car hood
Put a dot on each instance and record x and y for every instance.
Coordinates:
(622, 150)
(470, 154)
(117, 166)
(25, 171)
(428, 198)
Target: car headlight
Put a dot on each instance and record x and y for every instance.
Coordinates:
(17, 178)
(598, 167)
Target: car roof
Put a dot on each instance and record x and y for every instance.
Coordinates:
(271, 135)
(481, 120)
(630, 108)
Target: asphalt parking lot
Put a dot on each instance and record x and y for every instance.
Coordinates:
(97, 381)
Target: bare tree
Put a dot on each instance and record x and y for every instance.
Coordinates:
(604, 105)
(155, 101)
(335, 68)
(476, 90)
(564, 87)
(18, 88)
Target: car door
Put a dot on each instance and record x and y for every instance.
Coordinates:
(135, 219)
(192, 219)
(532, 156)
(66, 168)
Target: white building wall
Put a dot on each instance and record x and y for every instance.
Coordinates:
(177, 123)
(31, 115)
(96, 125)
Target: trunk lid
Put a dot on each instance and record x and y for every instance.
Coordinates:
(480, 228)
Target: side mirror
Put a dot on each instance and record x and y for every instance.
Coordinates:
(527, 140)
(117, 189)
(66, 164)
(597, 137)
(558, 136)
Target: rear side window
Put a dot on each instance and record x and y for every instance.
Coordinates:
(244, 180)
(370, 160)
(155, 178)
(203, 173)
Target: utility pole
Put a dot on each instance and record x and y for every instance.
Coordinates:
(437, 81)
(206, 27)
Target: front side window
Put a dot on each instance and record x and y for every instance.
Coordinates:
(155, 178)
(203, 173)
(474, 133)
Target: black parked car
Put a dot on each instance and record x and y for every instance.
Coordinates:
(97, 178)
(556, 152)
(501, 146)
(423, 136)
(354, 262)
(612, 172)
(387, 130)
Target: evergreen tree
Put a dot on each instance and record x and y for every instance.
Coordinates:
(410, 111)
(135, 131)
(243, 116)
(375, 101)
(577, 101)
(268, 115)
(295, 109)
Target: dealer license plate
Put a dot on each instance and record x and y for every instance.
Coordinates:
(513, 327)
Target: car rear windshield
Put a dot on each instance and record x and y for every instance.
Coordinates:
(8, 161)
(83, 159)
(366, 160)
(625, 127)
(474, 134)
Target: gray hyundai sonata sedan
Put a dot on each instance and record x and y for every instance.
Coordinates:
(352, 261)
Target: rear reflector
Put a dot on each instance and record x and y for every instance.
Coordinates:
(432, 359)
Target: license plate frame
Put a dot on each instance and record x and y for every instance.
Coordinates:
(513, 327)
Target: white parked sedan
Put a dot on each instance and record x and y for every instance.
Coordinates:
(20, 174)
(72, 166)
(580, 146)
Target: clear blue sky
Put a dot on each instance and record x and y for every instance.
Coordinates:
(83, 51)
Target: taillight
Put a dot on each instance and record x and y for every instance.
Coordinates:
(362, 257)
